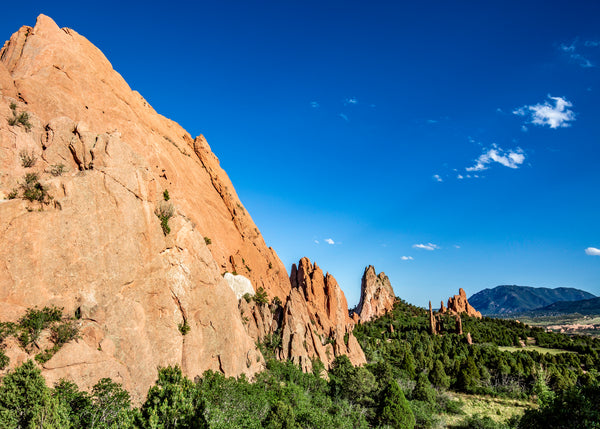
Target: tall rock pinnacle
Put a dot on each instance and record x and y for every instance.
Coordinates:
(376, 295)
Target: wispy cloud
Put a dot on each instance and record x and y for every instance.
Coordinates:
(437, 178)
(344, 117)
(432, 121)
(350, 101)
(428, 246)
(314, 105)
(460, 177)
(571, 51)
(592, 251)
(456, 246)
(329, 241)
(592, 43)
(555, 114)
(316, 241)
(407, 258)
(512, 158)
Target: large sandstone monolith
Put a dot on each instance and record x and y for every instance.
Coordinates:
(458, 304)
(376, 295)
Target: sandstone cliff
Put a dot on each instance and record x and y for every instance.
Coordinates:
(94, 244)
(376, 295)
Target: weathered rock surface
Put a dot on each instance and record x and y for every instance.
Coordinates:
(98, 246)
(458, 304)
(376, 295)
(240, 285)
(315, 320)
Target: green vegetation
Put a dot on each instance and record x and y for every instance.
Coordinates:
(30, 327)
(28, 159)
(261, 297)
(412, 380)
(207, 241)
(166, 196)
(19, 118)
(184, 327)
(31, 190)
(57, 169)
(541, 350)
(164, 212)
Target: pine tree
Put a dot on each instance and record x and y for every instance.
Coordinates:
(394, 408)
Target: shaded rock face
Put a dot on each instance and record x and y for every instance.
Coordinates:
(376, 295)
(458, 304)
(315, 320)
(97, 247)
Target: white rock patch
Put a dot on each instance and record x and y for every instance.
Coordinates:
(240, 285)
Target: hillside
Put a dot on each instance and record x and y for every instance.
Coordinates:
(585, 307)
(516, 299)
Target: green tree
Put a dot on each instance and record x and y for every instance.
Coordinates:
(438, 376)
(26, 401)
(394, 409)
(110, 406)
(74, 401)
(173, 402)
(423, 390)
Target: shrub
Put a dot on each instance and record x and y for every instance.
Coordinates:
(207, 241)
(276, 301)
(164, 212)
(34, 321)
(261, 297)
(28, 159)
(13, 194)
(33, 190)
(4, 360)
(166, 196)
(19, 119)
(247, 297)
(57, 169)
(184, 327)
(64, 332)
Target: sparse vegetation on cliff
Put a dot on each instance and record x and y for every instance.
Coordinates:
(19, 118)
(164, 212)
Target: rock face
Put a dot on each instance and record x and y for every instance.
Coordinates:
(240, 285)
(95, 245)
(376, 295)
(458, 304)
(315, 321)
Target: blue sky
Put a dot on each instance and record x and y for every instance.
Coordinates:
(449, 144)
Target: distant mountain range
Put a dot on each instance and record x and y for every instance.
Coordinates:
(584, 307)
(508, 299)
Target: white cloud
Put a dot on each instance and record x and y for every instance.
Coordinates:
(314, 104)
(407, 258)
(592, 251)
(575, 56)
(351, 100)
(432, 121)
(316, 241)
(524, 128)
(437, 178)
(555, 116)
(592, 43)
(428, 246)
(460, 176)
(456, 246)
(344, 117)
(511, 159)
(329, 241)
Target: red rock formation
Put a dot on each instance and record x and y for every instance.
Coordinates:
(376, 295)
(316, 322)
(458, 304)
(99, 247)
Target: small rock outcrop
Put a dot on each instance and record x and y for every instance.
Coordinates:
(376, 295)
(458, 304)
